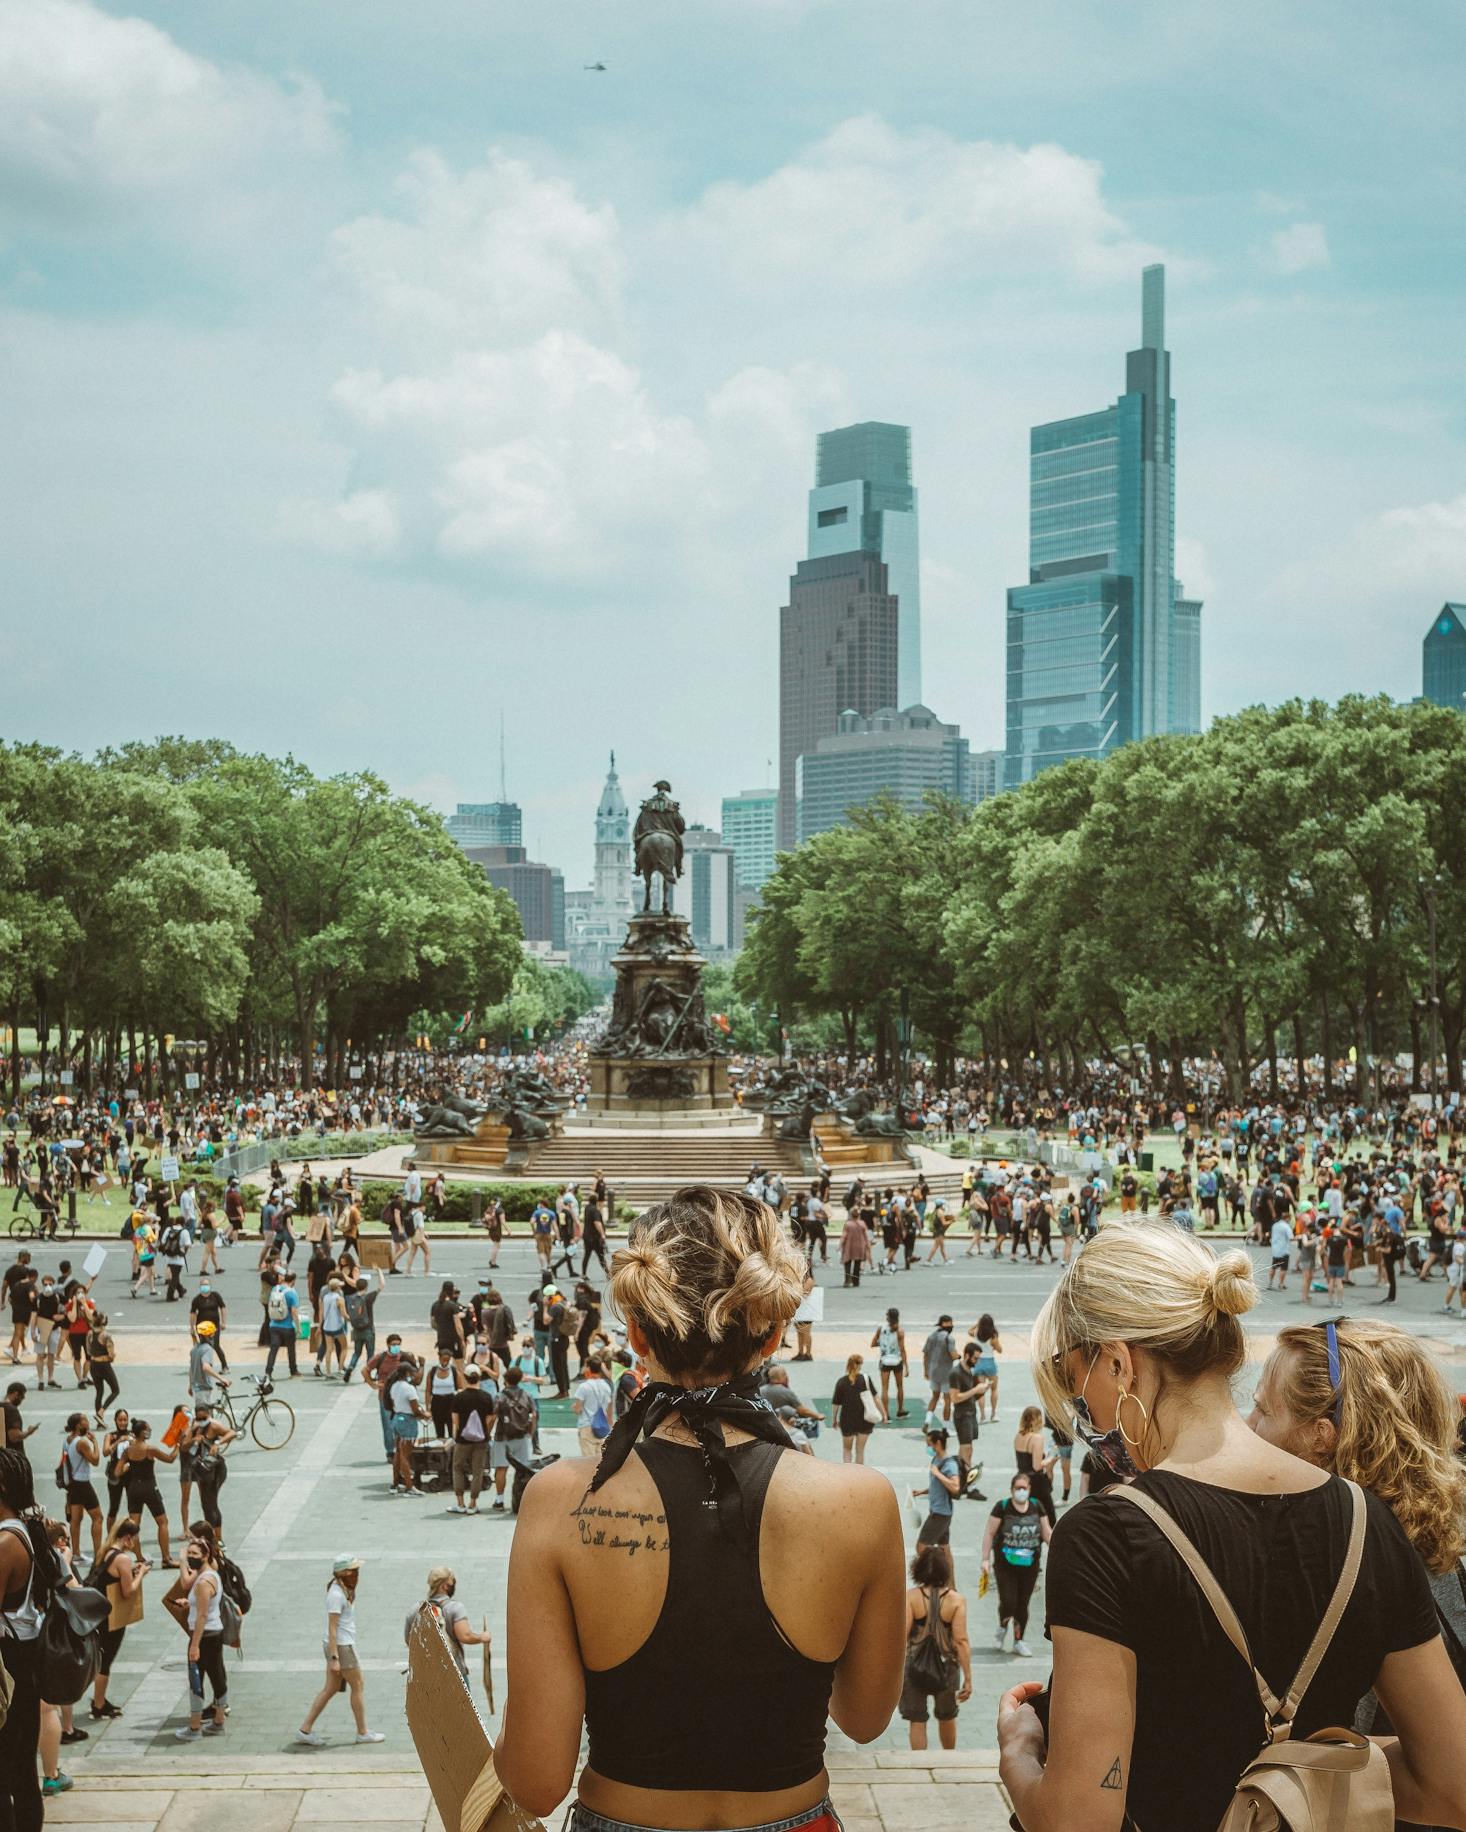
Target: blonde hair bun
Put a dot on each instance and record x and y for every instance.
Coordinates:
(1231, 1286)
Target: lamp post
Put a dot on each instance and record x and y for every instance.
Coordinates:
(903, 1043)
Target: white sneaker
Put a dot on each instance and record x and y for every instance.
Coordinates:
(1022, 1648)
(372, 1736)
(1000, 1640)
(313, 1737)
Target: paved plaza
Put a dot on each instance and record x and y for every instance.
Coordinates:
(289, 1513)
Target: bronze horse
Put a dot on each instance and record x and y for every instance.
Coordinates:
(656, 855)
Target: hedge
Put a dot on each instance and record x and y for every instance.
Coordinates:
(518, 1198)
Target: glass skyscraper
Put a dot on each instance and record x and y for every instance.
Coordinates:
(1443, 658)
(749, 822)
(864, 501)
(1102, 647)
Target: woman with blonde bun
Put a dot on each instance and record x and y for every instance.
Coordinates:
(704, 1597)
(1151, 1709)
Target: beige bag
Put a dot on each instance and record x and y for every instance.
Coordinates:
(1333, 1781)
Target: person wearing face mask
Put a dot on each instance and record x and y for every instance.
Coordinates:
(205, 1623)
(442, 1598)
(1139, 1342)
(1017, 1532)
(207, 1306)
(1366, 1401)
(46, 1323)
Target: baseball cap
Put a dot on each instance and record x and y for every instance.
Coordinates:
(206, 1329)
(551, 1291)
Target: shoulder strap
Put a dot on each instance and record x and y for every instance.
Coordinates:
(1280, 1712)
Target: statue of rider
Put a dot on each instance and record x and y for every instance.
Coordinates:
(660, 814)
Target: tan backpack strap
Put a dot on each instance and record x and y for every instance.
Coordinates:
(1210, 1588)
(1338, 1603)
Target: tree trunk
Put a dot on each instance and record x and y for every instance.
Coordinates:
(1272, 1058)
(15, 1051)
(1326, 1032)
(1415, 1064)
(1299, 1053)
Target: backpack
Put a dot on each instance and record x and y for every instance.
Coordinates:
(172, 1242)
(518, 1413)
(473, 1428)
(278, 1307)
(68, 1643)
(931, 1664)
(1336, 1777)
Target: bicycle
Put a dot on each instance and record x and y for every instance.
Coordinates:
(39, 1225)
(269, 1419)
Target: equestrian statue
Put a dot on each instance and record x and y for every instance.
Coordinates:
(658, 840)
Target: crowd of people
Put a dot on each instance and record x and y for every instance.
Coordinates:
(671, 1368)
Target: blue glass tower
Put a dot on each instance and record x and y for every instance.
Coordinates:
(864, 502)
(1443, 658)
(1102, 647)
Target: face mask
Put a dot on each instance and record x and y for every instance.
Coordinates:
(203, 1290)
(1021, 1497)
(1108, 1447)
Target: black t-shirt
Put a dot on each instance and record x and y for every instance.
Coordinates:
(207, 1307)
(20, 1284)
(445, 1319)
(467, 1401)
(1020, 1536)
(1277, 1557)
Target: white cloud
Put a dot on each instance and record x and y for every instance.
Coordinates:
(874, 205)
(99, 113)
(1193, 568)
(364, 524)
(489, 254)
(1426, 544)
(1298, 248)
(1403, 563)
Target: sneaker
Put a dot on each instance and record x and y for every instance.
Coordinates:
(1000, 1640)
(188, 1734)
(498, 1507)
(1022, 1648)
(100, 1713)
(457, 1509)
(76, 1735)
(313, 1737)
(56, 1784)
(472, 1510)
(372, 1736)
(212, 1729)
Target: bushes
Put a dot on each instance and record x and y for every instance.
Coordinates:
(518, 1198)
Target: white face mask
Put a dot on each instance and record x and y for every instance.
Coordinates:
(1020, 1495)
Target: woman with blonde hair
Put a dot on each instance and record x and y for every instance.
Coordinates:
(847, 1403)
(1367, 1402)
(1139, 1343)
(703, 1598)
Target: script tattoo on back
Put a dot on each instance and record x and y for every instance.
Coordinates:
(628, 1530)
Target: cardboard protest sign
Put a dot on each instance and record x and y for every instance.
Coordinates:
(452, 1743)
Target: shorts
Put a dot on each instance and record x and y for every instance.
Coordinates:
(822, 1818)
(404, 1427)
(965, 1419)
(1066, 1452)
(82, 1495)
(987, 1365)
(346, 1656)
(1280, 1262)
(505, 1452)
(936, 1530)
(913, 1703)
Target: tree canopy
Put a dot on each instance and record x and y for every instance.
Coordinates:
(1278, 875)
(185, 889)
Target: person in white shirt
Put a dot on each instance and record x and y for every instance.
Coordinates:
(594, 1405)
(342, 1664)
(1282, 1244)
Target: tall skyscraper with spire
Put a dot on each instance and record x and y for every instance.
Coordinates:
(1103, 645)
(597, 918)
(611, 896)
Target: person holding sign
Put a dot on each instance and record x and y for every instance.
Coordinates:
(672, 1598)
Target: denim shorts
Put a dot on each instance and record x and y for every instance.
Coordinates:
(822, 1818)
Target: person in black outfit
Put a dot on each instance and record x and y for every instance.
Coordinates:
(1139, 1343)
(637, 1607)
(593, 1237)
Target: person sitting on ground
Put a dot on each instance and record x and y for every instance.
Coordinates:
(672, 1598)
(777, 1392)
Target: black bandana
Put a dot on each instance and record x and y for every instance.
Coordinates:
(704, 1410)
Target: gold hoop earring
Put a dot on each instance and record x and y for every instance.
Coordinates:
(1134, 1443)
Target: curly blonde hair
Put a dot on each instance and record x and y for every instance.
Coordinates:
(1396, 1426)
(709, 1275)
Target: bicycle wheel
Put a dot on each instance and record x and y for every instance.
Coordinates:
(21, 1227)
(272, 1424)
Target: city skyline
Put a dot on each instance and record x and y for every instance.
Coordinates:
(373, 374)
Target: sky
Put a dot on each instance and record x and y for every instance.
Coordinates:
(373, 371)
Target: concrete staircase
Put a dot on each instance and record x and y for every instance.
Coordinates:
(644, 1167)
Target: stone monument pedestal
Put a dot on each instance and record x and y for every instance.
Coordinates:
(657, 1055)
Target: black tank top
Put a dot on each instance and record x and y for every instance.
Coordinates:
(715, 1697)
